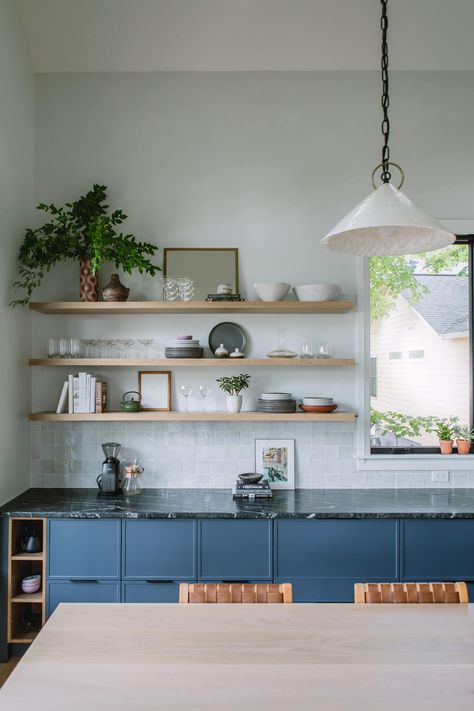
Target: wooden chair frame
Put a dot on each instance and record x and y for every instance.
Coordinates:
(411, 593)
(235, 593)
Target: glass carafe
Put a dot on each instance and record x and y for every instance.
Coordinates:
(132, 476)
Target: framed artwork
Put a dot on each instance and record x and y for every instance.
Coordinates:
(155, 388)
(275, 459)
(206, 266)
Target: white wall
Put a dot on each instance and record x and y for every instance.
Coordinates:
(16, 196)
(267, 162)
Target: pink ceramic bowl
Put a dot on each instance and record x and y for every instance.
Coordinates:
(31, 584)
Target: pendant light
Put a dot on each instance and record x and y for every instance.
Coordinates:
(387, 222)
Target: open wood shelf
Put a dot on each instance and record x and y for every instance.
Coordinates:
(29, 597)
(195, 417)
(25, 638)
(193, 307)
(190, 362)
(27, 556)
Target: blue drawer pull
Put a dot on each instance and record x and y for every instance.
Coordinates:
(159, 582)
(82, 582)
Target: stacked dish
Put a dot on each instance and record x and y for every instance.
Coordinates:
(276, 402)
(184, 347)
(318, 404)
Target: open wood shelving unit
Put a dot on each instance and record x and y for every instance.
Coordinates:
(190, 362)
(192, 307)
(20, 564)
(195, 417)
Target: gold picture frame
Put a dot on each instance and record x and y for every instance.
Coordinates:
(157, 393)
(213, 278)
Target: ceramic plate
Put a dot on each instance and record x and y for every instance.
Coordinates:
(228, 333)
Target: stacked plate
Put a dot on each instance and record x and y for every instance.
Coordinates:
(184, 347)
(318, 404)
(276, 402)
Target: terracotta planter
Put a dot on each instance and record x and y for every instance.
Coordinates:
(88, 282)
(463, 445)
(446, 446)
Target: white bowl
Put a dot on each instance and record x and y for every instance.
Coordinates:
(272, 290)
(317, 292)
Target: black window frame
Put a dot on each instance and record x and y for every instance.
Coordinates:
(400, 451)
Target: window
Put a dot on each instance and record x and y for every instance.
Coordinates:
(420, 299)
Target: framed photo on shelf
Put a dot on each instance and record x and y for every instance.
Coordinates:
(154, 387)
(275, 459)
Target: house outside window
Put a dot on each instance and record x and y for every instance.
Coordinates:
(420, 304)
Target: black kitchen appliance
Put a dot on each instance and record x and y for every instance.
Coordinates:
(108, 480)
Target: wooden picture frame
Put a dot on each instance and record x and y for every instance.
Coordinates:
(213, 277)
(156, 397)
(275, 459)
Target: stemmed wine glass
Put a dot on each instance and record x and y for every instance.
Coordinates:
(204, 391)
(146, 343)
(186, 391)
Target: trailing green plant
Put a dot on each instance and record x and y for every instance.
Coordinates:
(444, 430)
(464, 432)
(400, 424)
(82, 230)
(233, 385)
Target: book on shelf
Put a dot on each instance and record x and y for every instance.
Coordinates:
(63, 399)
(83, 394)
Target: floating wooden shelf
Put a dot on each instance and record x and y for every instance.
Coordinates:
(191, 362)
(25, 638)
(194, 307)
(28, 556)
(195, 417)
(29, 597)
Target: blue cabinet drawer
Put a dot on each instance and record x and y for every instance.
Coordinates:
(359, 550)
(324, 590)
(151, 591)
(438, 550)
(235, 550)
(81, 591)
(84, 549)
(160, 549)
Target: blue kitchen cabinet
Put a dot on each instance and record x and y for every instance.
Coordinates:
(81, 591)
(150, 591)
(84, 549)
(159, 549)
(324, 558)
(440, 549)
(235, 550)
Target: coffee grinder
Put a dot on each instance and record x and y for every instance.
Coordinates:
(108, 480)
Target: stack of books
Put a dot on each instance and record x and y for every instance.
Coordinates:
(252, 491)
(224, 297)
(83, 394)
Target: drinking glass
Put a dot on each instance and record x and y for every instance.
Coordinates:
(186, 391)
(204, 391)
(64, 347)
(146, 343)
(89, 344)
(324, 351)
(185, 287)
(53, 348)
(307, 350)
(170, 289)
(75, 348)
(128, 343)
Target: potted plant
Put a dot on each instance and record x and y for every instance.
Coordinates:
(444, 431)
(464, 436)
(85, 231)
(233, 386)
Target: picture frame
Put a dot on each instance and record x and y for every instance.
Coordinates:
(275, 459)
(206, 266)
(154, 387)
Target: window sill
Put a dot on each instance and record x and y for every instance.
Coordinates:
(415, 462)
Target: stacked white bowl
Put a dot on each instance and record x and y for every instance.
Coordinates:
(317, 401)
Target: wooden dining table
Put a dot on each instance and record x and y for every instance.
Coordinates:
(204, 657)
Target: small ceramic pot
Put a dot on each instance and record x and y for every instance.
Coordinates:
(88, 282)
(446, 446)
(463, 445)
(221, 352)
(115, 290)
(234, 403)
(237, 354)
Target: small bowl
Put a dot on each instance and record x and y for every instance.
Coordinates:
(318, 408)
(31, 584)
(250, 478)
(317, 292)
(272, 290)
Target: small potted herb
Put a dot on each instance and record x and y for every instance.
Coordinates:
(233, 386)
(86, 231)
(444, 431)
(464, 436)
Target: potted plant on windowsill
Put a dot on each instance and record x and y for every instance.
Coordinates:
(464, 437)
(444, 431)
(233, 386)
(85, 231)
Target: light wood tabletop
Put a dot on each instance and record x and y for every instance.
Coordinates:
(333, 656)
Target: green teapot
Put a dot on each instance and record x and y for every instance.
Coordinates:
(131, 405)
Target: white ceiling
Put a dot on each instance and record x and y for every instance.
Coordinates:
(160, 35)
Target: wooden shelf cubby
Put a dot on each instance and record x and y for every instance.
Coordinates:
(23, 608)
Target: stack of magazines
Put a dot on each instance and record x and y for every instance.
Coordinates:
(252, 491)
(83, 394)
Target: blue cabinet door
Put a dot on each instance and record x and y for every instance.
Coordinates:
(437, 550)
(84, 549)
(235, 550)
(81, 591)
(159, 549)
(150, 591)
(324, 558)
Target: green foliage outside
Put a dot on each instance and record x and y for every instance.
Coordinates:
(408, 426)
(85, 229)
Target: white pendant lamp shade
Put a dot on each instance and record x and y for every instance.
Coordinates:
(387, 222)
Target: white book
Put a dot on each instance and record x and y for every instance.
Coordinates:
(87, 406)
(76, 394)
(71, 394)
(81, 406)
(92, 393)
(62, 404)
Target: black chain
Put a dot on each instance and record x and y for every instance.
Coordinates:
(386, 175)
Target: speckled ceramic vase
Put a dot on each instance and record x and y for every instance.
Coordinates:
(88, 282)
